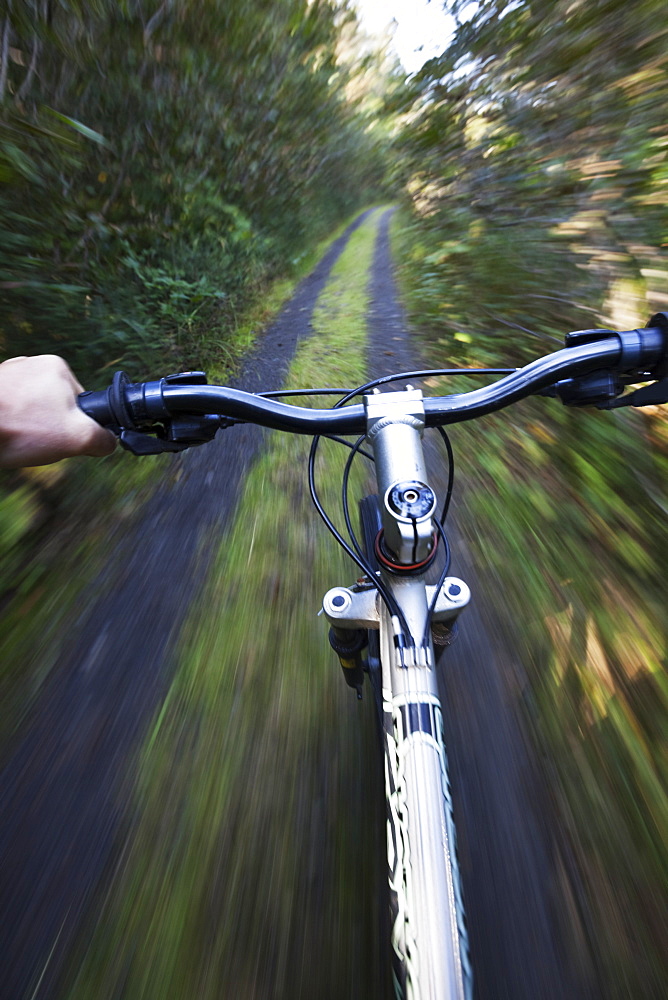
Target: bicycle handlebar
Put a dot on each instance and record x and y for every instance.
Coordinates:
(193, 409)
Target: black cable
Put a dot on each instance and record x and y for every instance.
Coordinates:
(402, 376)
(358, 555)
(441, 581)
(359, 451)
(344, 497)
(301, 392)
(448, 496)
(439, 523)
(389, 599)
(233, 421)
(350, 393)
(451, 474)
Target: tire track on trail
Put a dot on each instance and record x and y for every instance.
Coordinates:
(63, 785)
(519, 916)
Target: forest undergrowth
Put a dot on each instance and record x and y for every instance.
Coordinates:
(565, 514)
(535, 161)
(168, 172)
(47, 561)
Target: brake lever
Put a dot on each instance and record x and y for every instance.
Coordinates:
(142, 443)
(603, 389)
(165, 433)
(176, 435)
(646, 395)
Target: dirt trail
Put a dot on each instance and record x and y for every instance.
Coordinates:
(62, 788)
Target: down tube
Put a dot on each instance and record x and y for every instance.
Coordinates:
(429, 940)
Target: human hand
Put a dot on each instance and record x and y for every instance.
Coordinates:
(40, 421)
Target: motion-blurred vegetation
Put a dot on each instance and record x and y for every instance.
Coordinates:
(232, 881)
(162, 165)
(534, 157)
(159, 160)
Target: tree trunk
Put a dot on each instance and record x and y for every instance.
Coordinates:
(4, 57)
(27, 80)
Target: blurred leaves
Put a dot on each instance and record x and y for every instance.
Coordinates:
(534, 153)
(87, 133)
(541, 121)
(212, 141)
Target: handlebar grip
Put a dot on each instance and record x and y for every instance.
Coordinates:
(110, 407)
(659, 321)
(644, 349)
(96, 405)
(139, 415)
(134, 404)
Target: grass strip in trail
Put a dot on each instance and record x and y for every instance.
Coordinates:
(244, 874)
(565, 514)
(267, 305)
(58, 523)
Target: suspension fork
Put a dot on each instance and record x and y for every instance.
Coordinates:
(405, 546)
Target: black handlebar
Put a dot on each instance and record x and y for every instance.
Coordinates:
(593, 369)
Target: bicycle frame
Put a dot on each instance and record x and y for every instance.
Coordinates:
(428, 931)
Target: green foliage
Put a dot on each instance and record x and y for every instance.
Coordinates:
(566, 514)
(56, 523)
(18, 512)
(158, 161)
(535, 157)
(538, 139)
(507, 287)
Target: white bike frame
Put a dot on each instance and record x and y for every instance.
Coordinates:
(428, 933)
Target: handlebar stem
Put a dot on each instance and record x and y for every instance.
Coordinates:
(395, 424)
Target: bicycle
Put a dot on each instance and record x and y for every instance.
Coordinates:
(391, 610)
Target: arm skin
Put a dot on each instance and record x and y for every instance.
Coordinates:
(40, 421)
